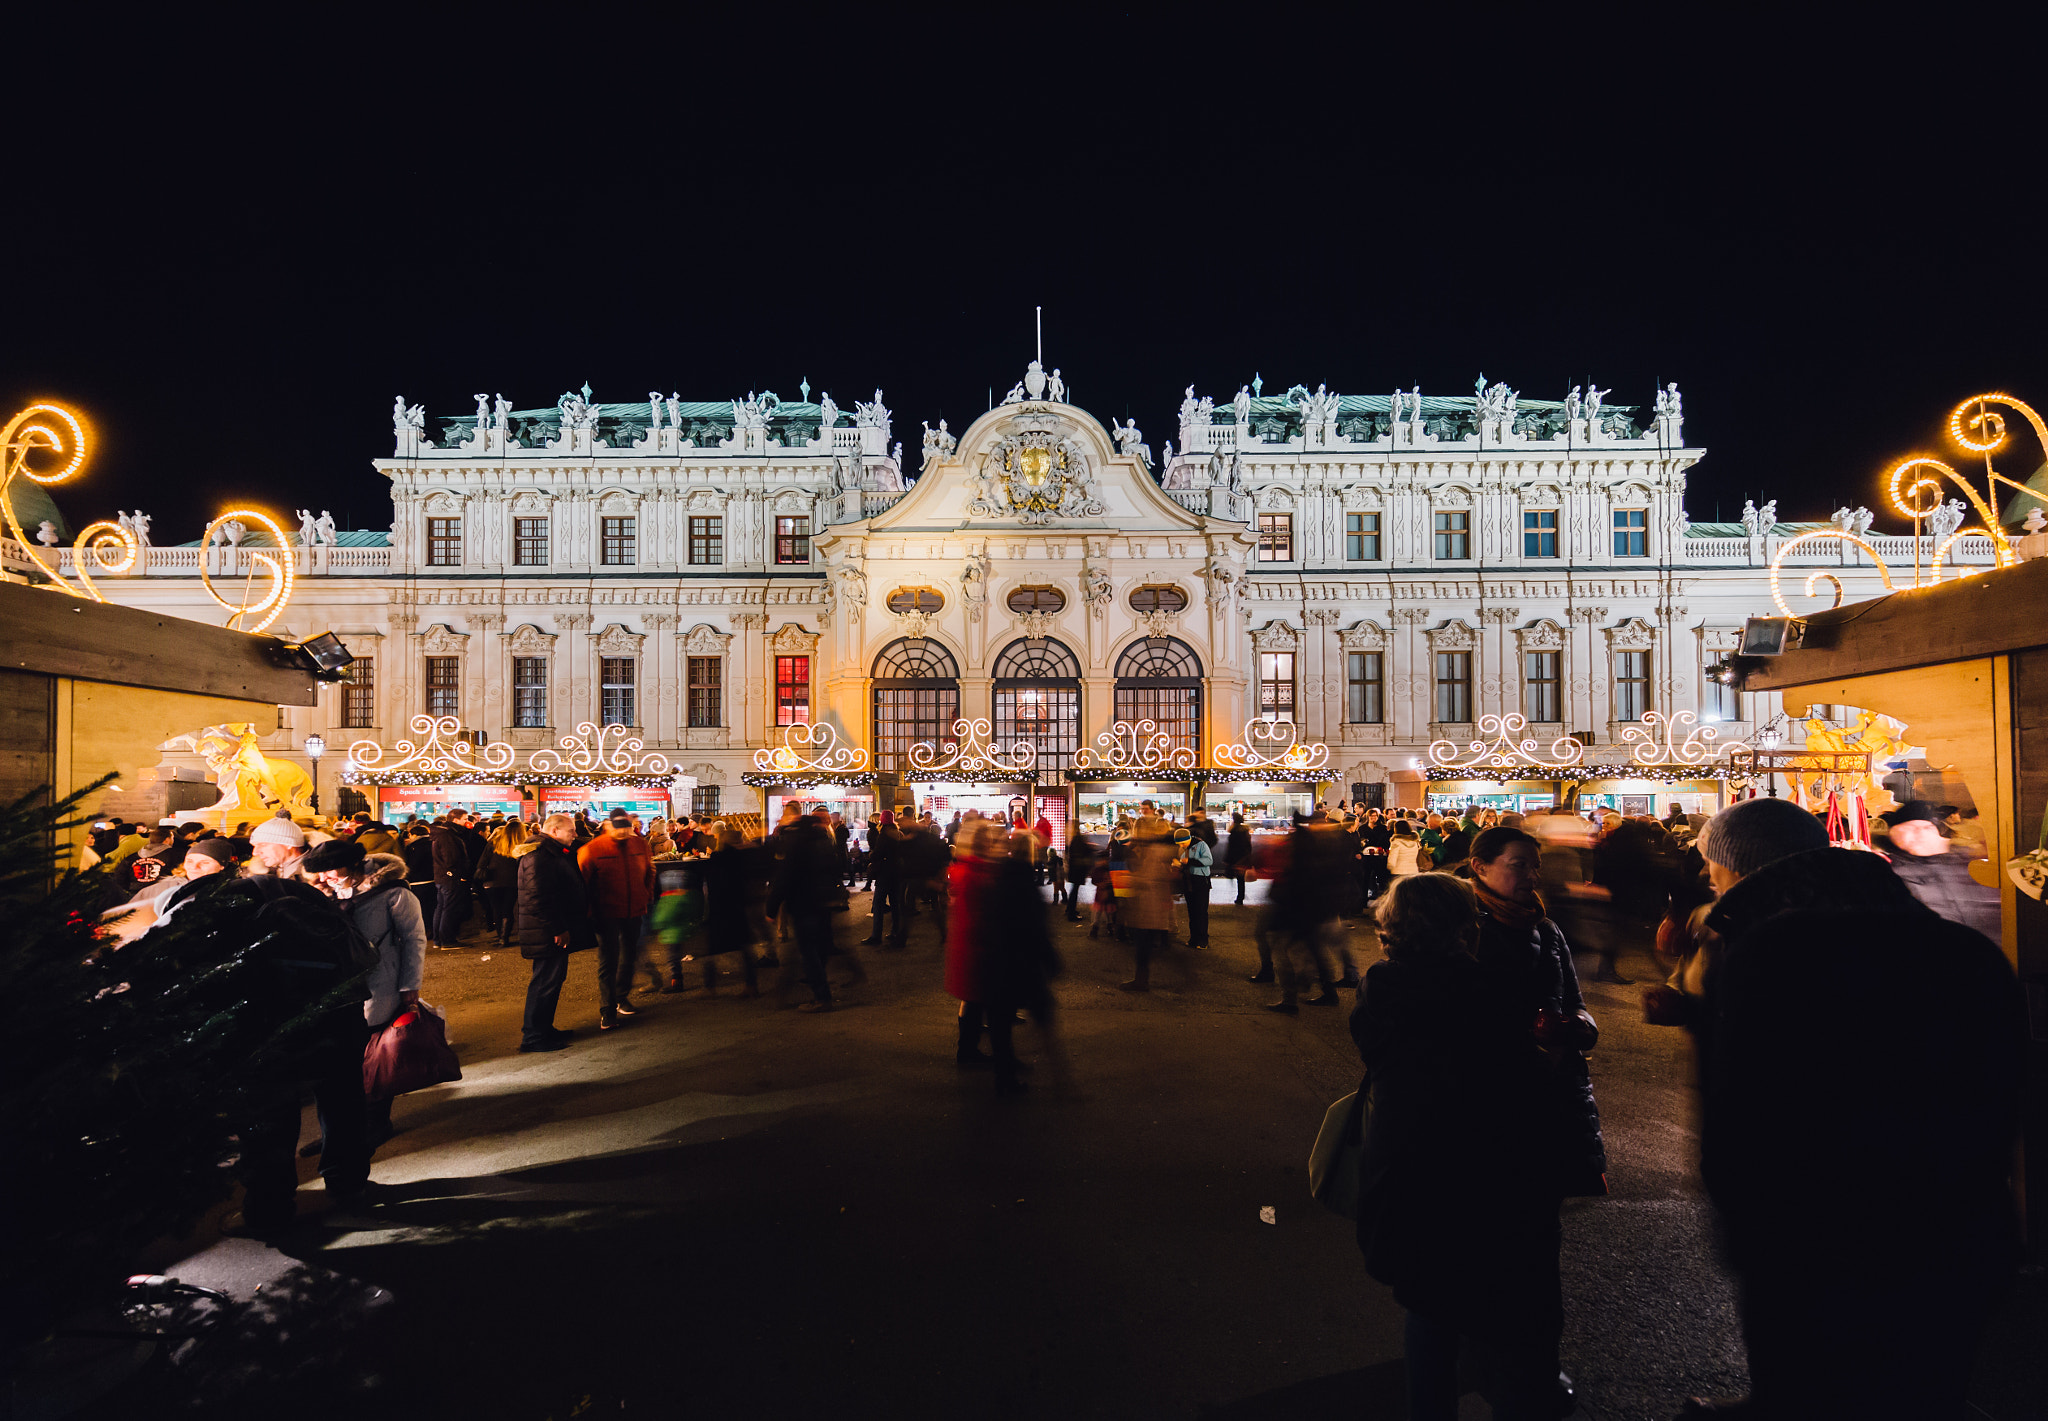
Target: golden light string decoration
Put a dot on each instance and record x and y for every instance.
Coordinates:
(93, 548)
(972, 756)
(1505, 744)
(1655, 740)
(276, 563)
(1821, 535)
(599, 750)
(808, 748)
(440, 752)
(1136, 749)
(1919, 499)
(1283, 749)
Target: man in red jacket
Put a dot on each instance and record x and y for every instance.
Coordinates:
(618, 868)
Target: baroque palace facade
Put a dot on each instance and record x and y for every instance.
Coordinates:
(1384, 571)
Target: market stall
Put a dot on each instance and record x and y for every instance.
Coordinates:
(1102, 797)
(1268, 806)
(394, 804)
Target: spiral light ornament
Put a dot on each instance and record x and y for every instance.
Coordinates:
(276, 563)
(46, 429)
(1820, 535)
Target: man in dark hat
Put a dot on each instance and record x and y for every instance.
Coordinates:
(1937, 876)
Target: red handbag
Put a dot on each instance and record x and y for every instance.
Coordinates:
(410, 1053)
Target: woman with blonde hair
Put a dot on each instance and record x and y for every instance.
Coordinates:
(1459, 1196)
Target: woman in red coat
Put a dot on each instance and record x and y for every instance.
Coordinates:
(967, 962)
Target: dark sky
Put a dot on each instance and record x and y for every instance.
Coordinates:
(233, 247)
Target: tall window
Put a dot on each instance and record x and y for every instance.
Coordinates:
(530, 692)
(1721, 702)
(529, 542)
(444, 685)
(618, 681)
(1454, 535)
(1276, 537)
(704, 799)
(444, 542)
(1631, 685)
(1454, 687)
(1276, 685)
(1162, 683)
(1541, 702)
(792, 540)
(1037, 694)
(707, 691)
(1362, 537)
(1539, 533)
(621, 542)
(792, 690)
(359, 693)
(1631, 532)
(1365, 672)
(916, 697)
(707, 542)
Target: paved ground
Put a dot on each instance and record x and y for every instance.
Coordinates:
(726, 1209)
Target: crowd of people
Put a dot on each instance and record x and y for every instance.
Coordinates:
(1859, 1155)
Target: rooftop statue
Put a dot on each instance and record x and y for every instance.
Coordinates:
(1242, 405)
(483, 411)
(871, 414)
(501, 411)
(1946, 519)
(653, 409)
(828, 412)
(1574, 406)
(1016, 395)
(1034, 380)
(1669, 402)
(1056, 388)
(675, 410)
(1190, 408)
(938, 444)
(407, 419)
(323, 526)
(309, 526)
(1130, 442)
(750, 413)
(1594, 395)
(46, 533)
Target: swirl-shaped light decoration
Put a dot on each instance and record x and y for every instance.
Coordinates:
(1505, 744)
(972, 756)
(1655, 740)
(1283, 750)
(598, 753)
(812, 748)
(1135, 749)
(276, 562)
(47, 428)
(439, 753)
(1819, 535)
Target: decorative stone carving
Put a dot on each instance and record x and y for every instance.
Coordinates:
(1454, 636)
(1038, 625)
(530, 640)
(1366, 636)
(750, 621)
(707, 774)
(1410, 616)
(1453, 496)
(1222, 578)
(1097, 590)
(706, 640)
(1721, 638)
(1035, 476)
(974, 583)
(872, 414)
(1130, 443)
(1588, 614)
(1635, 634)
(1322, 616)
(1542, 635)
(1499, 616)
(443, 640)
(574, 621)
(915, 625)
(791, 640)
(616, 640)
(1275, 636)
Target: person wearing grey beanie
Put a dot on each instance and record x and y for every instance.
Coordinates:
(1744, 837)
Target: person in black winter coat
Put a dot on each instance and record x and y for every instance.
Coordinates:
(1858, 1139)
(1237, 854)
(554, 921)
(1936, 875)
(810, 877)
(1454, 1213)
(1080, 868)
(452, 861)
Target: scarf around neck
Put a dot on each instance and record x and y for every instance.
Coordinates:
(1519, 916)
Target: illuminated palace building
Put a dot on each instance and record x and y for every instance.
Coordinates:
(1370, 573)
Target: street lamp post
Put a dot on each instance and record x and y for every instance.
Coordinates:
(1767, 741)
(315, 748)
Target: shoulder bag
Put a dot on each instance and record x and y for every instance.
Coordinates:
(1336, 1163)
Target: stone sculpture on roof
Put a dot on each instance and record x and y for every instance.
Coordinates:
(1034, 380)
(1574, 406)
(1056, 388)
(1946, 519)
(938, 444)
(483, 412)
(323, 527)
(501, 411)
(309, 530)
(1668, 402)
(828, 412)
(407, 419)
(1594, 395)
(1129, 442)
(1242, 405)
(872, 414)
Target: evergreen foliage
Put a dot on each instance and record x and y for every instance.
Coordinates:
(126, 1069)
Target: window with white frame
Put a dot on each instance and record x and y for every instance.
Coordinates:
(1276, 685)
(359, 693)
(707, 691)
(1631, 685)
(444, 685)
(1362, 537)
(1454, 535)
(1542, 702)
(1631, 532)
(1366, 683)
(1539, 533)
(707, 541)
(529, 542)
(530, 692)
(444, 542)
(1719, 700)
(620, 542)
(619, 680)
(1454, 687)
(704, 799)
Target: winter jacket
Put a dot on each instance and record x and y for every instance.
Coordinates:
(419, 861)
(1943, 883)
(1237, 849)
(386, 913)
(728, 880)
(1531, 969)
(1401, 852)
(377, 839)
(1863, 1095)
(552, 898)
(1451, 1215)
(620, 873)
(451, 855)
(968, 974)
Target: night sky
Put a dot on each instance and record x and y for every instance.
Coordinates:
(231, 248)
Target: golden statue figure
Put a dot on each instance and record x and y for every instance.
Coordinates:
(252, 785)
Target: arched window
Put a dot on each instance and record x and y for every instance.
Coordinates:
(1038, 699)
(1159, 597)
(915, 599)
(1160, 679)
(1037, 599)
(917, 697)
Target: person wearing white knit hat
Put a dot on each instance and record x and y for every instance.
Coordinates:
(276, 846)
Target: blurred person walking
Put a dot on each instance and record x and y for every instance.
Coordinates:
(451, 860)
(1934, 873)
(1237, 854)
(1148, 911)
(618, 870)
(553, 921)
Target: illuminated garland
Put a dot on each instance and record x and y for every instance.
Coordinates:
(973, 758)
(90, 549)
(1510, 748)
(597, 753)
(804, 779)
(1292, 754)
(1584, 774)
(811, 748)
(431, 756)
(279, 567)
(419, 779)
(1149, 749)
(1699, 747)
(1185, 777)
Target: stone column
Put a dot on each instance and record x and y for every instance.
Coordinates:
(662, 682)
(1411, 679)
(574, 694)
(750, 697)
(1321, 687)
(485, 668)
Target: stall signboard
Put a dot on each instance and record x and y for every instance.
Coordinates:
(398, 803)
(598, 802)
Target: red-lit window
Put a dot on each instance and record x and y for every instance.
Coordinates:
(792, 540)
(792, 690)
